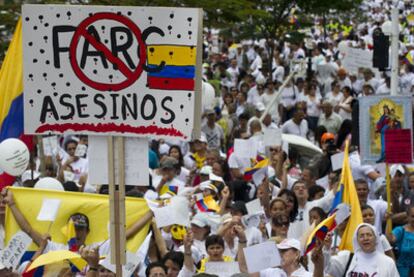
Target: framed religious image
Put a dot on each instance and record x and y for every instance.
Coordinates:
(377, 114)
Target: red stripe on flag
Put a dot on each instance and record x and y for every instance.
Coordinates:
(170, 83)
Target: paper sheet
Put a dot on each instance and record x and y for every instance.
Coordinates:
(272, 137)
(261, 256)
(49, 209)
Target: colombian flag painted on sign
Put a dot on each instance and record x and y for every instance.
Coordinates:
(178, 70)
(11, 97)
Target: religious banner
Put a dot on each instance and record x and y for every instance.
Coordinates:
(381, 113)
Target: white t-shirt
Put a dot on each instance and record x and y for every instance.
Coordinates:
(290, 127)
(79, 168)
(278, 272)
(289, 96)
(312, 108)
(334, 99)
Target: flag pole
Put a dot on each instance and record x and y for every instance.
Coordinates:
(388, 187)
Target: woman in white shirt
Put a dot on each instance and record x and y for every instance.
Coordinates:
(313, 103)
(344, 108)
(368, 260)
(335, 96)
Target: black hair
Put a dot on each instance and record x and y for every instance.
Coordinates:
(239, 206)
(175, 257)
(313, 190)
(240, 190)
(70, 186)
(244, 116)
(153, 265)
(214, 239)
(180, 154)
(68, 142)
(83, 215)
(319, 211)
(344, 130)
(291, 195)
(365, 207)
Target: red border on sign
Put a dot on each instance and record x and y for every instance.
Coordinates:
(131, 76)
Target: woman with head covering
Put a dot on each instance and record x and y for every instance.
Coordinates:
(368, 258)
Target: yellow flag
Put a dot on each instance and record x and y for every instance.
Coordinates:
(349, 197)
(94, 206)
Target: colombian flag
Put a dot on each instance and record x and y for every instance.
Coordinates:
(178, 64)
(347, 194)
(207, 204)
(170, 189)
(320, 232)
(261, 162)
(11, 97)
(94, 206)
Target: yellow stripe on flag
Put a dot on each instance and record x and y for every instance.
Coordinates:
(172, 54)
(94, 206)
(349, 197)
(11, 73)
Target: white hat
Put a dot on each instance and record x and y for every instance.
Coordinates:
(202, 138)
(260, 106)
(27, 175)
(208, 185)
(200, 219)
(164, 148)
(396, 167)
(206, 170)
(288, 244)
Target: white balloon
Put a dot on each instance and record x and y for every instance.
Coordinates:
(48, 183)
(14, 156)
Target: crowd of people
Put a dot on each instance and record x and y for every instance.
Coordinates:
(297, 190)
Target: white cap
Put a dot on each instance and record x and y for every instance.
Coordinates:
(260, 106)
(396, 167)
(206, 170)
(208, 185)
(200, 219)
(164, 148)
(289, 243)
(202, 138)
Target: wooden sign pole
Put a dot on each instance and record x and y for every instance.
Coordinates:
(388, 189)
(117, 203)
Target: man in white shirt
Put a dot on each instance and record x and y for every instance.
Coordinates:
(297, 125)
(330, 120)
(213, 131)
(234, 72)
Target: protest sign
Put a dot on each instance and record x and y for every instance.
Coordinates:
(15, 249)
(261, 256)
(398, 146)
(272, 137)
(50, 145)
(358, 58)
(222, 269)
(136, 166)
(245, 148)
(49, 210)
(118, 70)
(176, 212)
(254, 207)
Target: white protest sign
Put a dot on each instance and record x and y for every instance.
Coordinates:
(337, 160)
(176, 212)
(259, 175)
(323, 182)
(222, 269)
(358, 58)
(254, 207)
(15, 249)
(136, 161)
(50, 145)
(272, 137)
(128, 71)
(132, 261)
(245, 148)
(81, 150)
(49, 209)
(261, 256)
